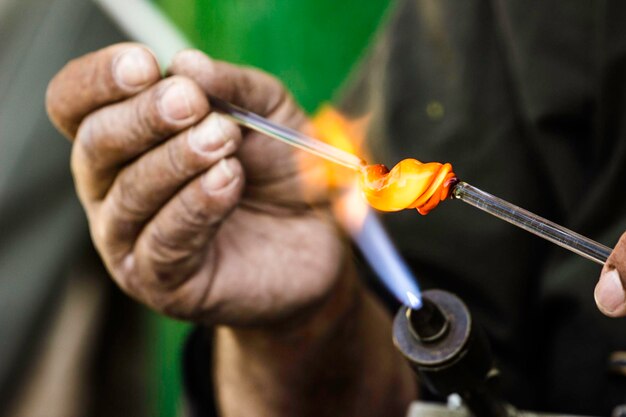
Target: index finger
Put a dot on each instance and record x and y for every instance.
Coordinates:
(97, 79)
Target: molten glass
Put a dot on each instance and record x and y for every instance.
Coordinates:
(409, 184)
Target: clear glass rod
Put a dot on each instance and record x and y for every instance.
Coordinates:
(292, 137)
(531, 222)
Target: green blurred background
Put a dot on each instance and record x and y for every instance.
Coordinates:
(311, 45)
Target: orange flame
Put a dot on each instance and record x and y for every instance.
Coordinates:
(409, 184)
(349, 135)
(335, 129)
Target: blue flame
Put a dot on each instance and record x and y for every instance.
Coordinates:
(385, 260)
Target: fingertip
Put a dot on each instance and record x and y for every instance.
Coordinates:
(223, 177)
(610, 295)
(215, 133)
(189, 61)
(135, 66)
(97, 79)
(180, 100)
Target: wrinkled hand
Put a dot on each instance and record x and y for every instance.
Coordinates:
(610, 293)
(190, 216)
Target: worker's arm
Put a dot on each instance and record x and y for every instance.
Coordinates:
(225, 228)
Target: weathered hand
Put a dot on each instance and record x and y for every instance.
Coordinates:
(610, 293)
(190, 216)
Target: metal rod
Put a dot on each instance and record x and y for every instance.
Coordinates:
(292, 137)
(532, 223)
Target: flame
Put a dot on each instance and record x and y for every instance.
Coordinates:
(337, 130)
(409, 184)
(353, 213)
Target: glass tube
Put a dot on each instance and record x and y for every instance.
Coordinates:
(292, 137)
(532, 223)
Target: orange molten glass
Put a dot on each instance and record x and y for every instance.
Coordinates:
(409, 184)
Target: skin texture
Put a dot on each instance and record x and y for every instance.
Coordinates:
(206, 223)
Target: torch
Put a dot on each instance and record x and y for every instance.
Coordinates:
(449, 352)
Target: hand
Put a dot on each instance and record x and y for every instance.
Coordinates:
(610, 294)
(190, 215)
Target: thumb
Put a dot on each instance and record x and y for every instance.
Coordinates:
(610, 293)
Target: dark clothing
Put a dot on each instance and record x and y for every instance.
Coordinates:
(526, 100)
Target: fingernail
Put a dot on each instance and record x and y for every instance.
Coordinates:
(210, 135)
(609, 292)
(174, 102)
(133, 68)
(219, 176)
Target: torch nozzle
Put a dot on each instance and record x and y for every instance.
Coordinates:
(449, 351)
(428, 323)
